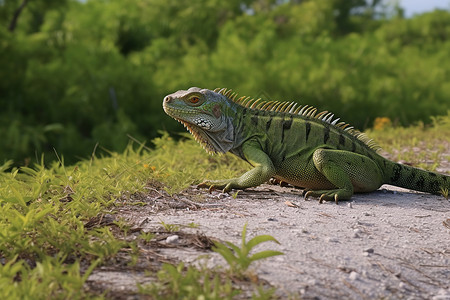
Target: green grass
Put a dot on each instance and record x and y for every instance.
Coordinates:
(422, 146)
(49, 242)
(44, 211)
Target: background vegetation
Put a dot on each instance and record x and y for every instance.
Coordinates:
(79, 73)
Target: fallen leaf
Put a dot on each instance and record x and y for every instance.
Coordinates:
(290, 204)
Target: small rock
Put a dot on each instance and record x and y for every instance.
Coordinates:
(353, 276)
(312, 282)
(222, 195)
(332, 240)
(272, 219)
(350, 205)
(443, 294)
(369, 250)
(356, 233)
(173, 239)
(280, 258)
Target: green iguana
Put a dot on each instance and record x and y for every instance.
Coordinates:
(291, 143)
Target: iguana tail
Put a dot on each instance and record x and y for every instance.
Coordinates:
(415, 179)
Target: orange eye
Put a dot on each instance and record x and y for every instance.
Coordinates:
(194, 99)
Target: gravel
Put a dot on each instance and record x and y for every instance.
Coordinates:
(380, 245)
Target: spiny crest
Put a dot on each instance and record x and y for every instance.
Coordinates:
(295, 109)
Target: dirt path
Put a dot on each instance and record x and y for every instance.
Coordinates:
(392, 243)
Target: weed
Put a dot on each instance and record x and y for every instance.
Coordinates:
(262, 293)
(193, 225)
(170, 227)
(146, 236)
(239, 259)
(179, 282)
(123, 226)
(444, 192)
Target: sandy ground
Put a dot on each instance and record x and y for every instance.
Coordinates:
(390, 244)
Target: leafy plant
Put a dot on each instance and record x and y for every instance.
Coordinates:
(180, 282)
(193, 225)
(239, 258)
(445, 192)
(146, 236)
(68, 87)
(170, 227)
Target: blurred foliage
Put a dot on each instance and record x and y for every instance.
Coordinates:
(79, 74)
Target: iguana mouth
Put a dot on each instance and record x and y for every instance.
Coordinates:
(199, 136)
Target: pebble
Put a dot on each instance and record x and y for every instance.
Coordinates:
(280, 258)
(443, 294)
(368, 251)
(350, 205)
(353, 276)
(356, 233)
(222, 195)
(173, 239)
(312, 282)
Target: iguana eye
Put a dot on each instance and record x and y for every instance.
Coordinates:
(194, 99)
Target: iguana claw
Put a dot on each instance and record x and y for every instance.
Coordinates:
(225, 187)
(306, 193)
(322, 196)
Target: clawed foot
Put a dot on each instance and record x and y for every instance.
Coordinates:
(275, 181)
(327, 195)
(212, 185)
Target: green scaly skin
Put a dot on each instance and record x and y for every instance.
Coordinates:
(291, 143)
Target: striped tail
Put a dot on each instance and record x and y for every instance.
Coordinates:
(415, 179)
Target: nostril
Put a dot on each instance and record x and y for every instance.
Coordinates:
(167, 99)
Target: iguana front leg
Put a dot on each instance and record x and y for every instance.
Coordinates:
(347, 171)
(263, 170)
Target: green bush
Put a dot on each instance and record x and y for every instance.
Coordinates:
(79, 74)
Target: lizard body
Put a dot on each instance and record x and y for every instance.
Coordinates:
(291, 143)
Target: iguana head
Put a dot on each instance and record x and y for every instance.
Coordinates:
(202, 112)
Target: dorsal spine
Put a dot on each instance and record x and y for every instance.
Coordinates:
(291, 108)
